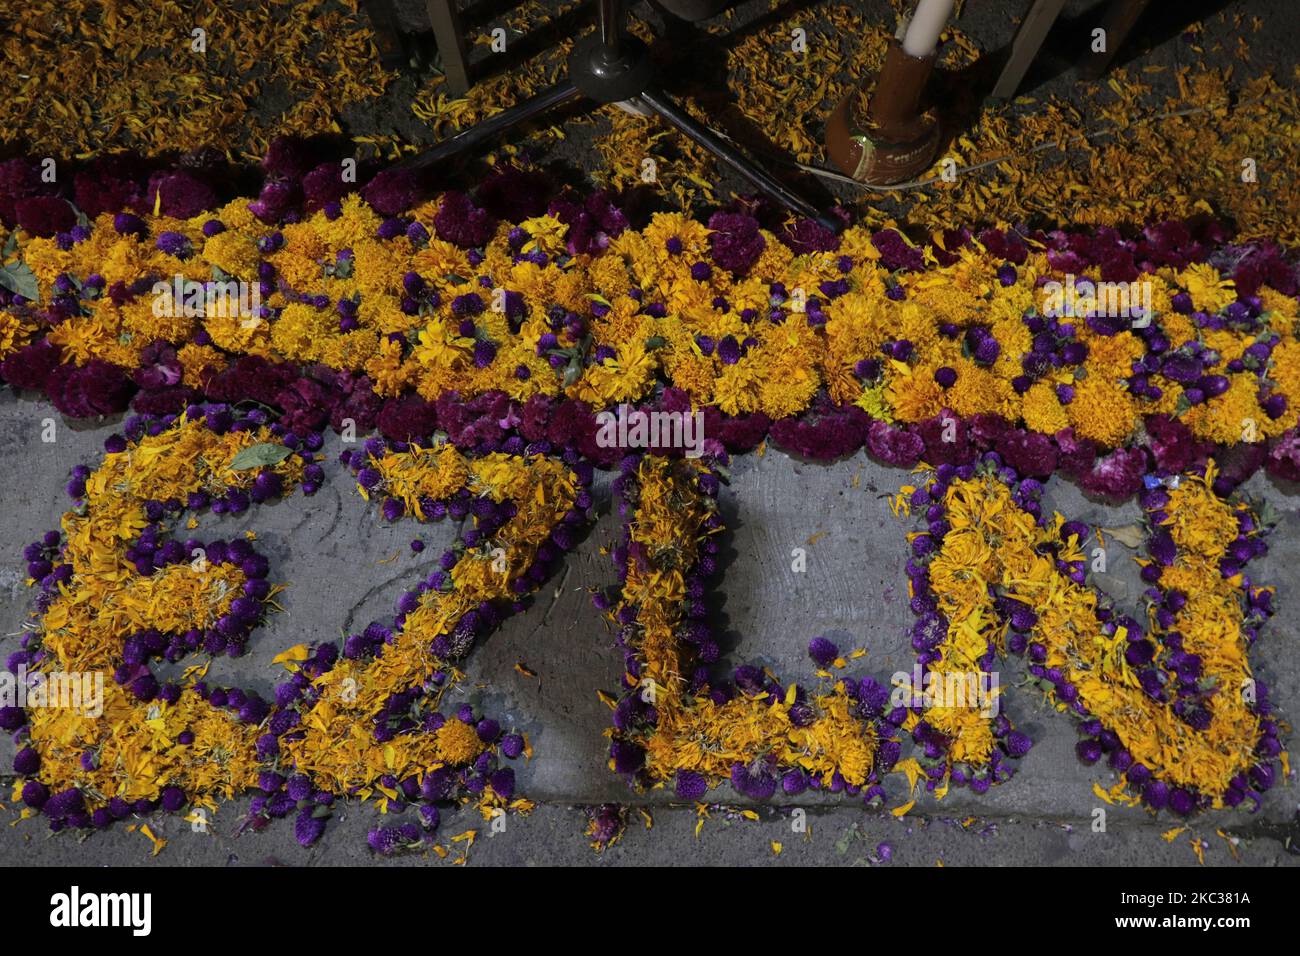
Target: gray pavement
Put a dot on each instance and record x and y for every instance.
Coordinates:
(334, 552)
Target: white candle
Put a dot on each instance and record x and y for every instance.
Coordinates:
(927, 23)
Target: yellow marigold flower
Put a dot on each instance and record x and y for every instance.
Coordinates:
(787, 387)
(913, 392)
(1210, 292)
(196, 361)
(47, 262)
(545, 233)
(234, 253)
(1042, 410)
(84, 338)
(978, 390)
(736, 388)
(1111, 356)
(1102, 411)
(14, 333)
(349, 350)
(1232, 417)
(357, 223)
(379, 265)
(442, 345)
(139, 320)
(302, 331)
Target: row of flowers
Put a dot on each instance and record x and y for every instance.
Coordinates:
(116, 589)
(1173, 706)
(480, 352)
(376, 306)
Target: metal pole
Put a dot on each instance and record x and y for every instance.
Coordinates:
(734, 158)
(610, 16)
(493, 126)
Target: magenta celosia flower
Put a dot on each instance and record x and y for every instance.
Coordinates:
(1172, 444)
(896, 253)
(1284, 456)
(826, 431)
(739, 433)
(514, 194)
(392, 192)
(19, 179)
(408, 419)
(324, 184)
(462, 223)
(806, 235)
(894, 446)
(168, 400)
(275, 199)
(592, 222)
(96, 388)
(289, 157)
(1076, 455)
(735, 241)
(30, 366)
(1031, 454)
(44, 215)
(307, 405)
(159, 366)
(947, 440)
(1117, 475)
(179, 194)
(110, 184)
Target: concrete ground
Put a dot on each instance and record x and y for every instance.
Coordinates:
(853, 590)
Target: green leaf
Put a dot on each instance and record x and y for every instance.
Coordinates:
(20, 280)
(572, 372)
(260, 456)
(655, 342)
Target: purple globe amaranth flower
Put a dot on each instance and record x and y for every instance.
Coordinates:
(1088, 750)
(512, 745)
(1018, 743)
(1156, 794)
(823, 651)
(755, 779)
(307, 827)
(691, 785)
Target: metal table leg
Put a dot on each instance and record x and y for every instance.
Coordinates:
(451, 45)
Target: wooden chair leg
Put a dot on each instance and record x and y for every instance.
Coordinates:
(451, 45)
(1120, 18)
(1024, 48)
(388, 39)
